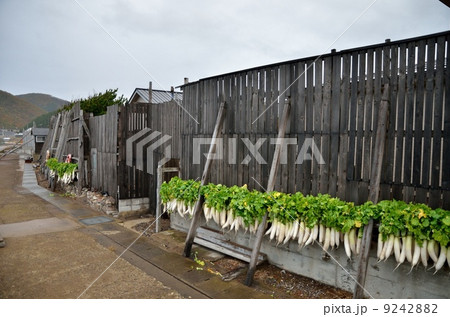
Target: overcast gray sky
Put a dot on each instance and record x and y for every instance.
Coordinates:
(72, 49)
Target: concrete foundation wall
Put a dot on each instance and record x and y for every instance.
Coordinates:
(133, 205)
(339, 271)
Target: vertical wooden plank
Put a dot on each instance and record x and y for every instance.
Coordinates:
(435, 193)
(397, 188)
(428, 119)
(326, 128)
(352, 186)
(335, 121)
(309, 123)
(418, 125)
(408, 191)
(343, 127)
(390, 69)
(362, 188)
(446, 137)
(299, 127)
(317, 129)
(367, 125)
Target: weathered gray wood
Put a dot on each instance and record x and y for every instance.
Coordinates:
(270, 188)
(215, 240)
(397, 188)
(374, 192)
(81, 170)
(198, 205)
(55, 134)
(418, 129)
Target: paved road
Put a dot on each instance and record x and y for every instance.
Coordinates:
(49, 254)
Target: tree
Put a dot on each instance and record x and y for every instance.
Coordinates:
(98, 103)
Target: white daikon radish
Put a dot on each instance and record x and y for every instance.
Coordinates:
(424, 254)
(348, 251)
(337, 238)
(307, 234)
(321, 233)
(315, 232)
(380, 245)
(431, 250)
(326, 241)
(311, 237)
(332, 235)
(223, 217)
(295, 230)
(441, 260)
(281, 233)
(397, 248)
(358, 244)
(402, 257)
(274, 230)
(389, 247)
(289, 229)
(409, 250)
(230, 219)
(416, 256)
(352, 240)
(301, 233)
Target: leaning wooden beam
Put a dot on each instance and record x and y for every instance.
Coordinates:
(377, 163)
(198, 205)
(270, 187)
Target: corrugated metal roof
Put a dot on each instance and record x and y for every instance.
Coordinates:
(158, 96)
(39, 131)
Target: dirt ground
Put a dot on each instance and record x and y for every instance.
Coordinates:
(60, 264)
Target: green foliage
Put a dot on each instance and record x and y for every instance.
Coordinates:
(42, 121)
(98, 103)
(394, 217)
(61, 168)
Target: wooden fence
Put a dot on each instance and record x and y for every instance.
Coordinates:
(143, 125)
(92, 143)
(335, 100)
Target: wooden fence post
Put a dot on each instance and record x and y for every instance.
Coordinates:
(198, 205)
(377, 163)
(81, 167)
(270, 187)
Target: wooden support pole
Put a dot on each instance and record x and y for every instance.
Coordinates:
(198, 205)
(377, 163)
(81, 167)
(270, 187)
(150, 92)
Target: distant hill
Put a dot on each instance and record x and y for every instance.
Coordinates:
(44, 101)
(16, 112)
(43, 121)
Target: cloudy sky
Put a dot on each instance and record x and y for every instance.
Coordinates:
(74, 48)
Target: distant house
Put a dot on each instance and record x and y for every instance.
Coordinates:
(158, 96)
(33, 140)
